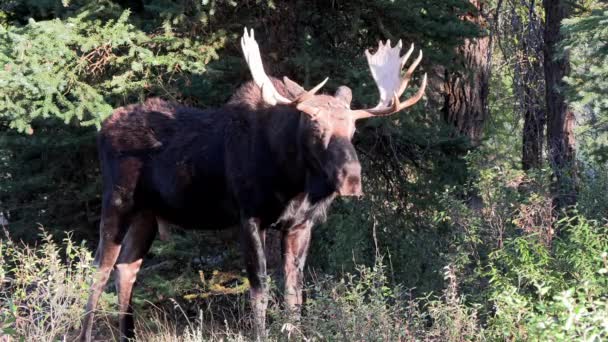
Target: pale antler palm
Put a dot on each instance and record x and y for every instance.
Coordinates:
(385, 66)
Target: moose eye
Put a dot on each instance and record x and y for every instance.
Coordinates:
(322, 135)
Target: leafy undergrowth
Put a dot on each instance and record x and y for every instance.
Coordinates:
(532, 292)
(44, 290)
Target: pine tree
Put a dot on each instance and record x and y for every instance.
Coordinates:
(466, 90)
(587, 46)
(560, 119)
(80, 68)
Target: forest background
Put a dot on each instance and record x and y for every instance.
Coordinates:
(485, 208)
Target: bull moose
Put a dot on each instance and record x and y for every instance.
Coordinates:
(275, 155)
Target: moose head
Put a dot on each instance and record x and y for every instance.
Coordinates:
(329, 124)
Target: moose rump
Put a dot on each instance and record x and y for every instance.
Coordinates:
(168, 159)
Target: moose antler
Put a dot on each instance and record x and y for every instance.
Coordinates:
(386, 65)
(271, 96)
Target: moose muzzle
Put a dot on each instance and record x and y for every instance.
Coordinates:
(349, 180)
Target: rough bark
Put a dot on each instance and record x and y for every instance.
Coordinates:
(560, 120)
(532, 144)
(529, 81)
(466, 90)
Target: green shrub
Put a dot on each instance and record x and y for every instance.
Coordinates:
(535, 289)
(43, 289)
(551, 293)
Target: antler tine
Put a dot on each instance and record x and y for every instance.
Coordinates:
(251, 50)
(307, 95)
(385, 66)
(408, 74)
(407, 55)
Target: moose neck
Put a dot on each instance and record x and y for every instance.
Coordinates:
(307, 198)
(282, 131)
(286, 134)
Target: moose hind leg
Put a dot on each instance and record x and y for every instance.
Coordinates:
(295, 249)
(255, 259)
(112, 227)
(117, 207)
(135, 245)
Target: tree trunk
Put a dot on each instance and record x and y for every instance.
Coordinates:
(534, 127)
(529, 82)
(466, 91)
(560, 120)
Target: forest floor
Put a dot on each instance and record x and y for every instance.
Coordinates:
(191, 278)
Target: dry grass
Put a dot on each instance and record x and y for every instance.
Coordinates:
(44, 290)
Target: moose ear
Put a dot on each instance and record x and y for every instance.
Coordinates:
(344, 94)
(294, 89)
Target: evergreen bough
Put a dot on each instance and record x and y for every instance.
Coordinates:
(78, 69)
(587, 44)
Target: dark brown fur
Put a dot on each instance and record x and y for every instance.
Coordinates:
(245, 163)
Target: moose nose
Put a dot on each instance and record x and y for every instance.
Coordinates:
(350, 182)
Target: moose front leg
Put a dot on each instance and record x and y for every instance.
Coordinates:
(135, 245)
(295, 245)
(255, 259)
